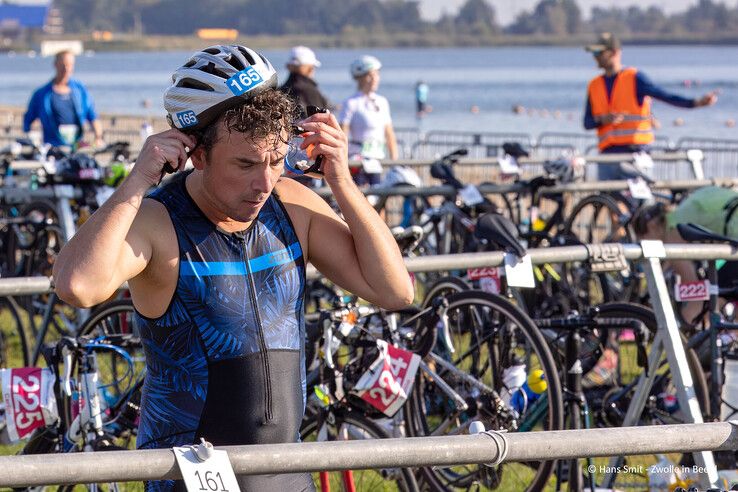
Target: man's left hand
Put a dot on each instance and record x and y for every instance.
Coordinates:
(707, 100)
(330, 141)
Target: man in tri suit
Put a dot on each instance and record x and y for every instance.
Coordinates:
(215, 259)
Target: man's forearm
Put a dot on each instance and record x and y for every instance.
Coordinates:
(97, 129)
(85, 267)
(379, 258)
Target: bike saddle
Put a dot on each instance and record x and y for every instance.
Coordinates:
(501, 232)
(696, 233)
(407, 237)
(445, 174)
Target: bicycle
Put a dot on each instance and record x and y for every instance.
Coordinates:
(87, 417)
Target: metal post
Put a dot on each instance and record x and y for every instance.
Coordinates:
(695, 157)
(677, 357)
(64, 209)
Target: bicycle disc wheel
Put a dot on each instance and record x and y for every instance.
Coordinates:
(351, 425)
(490, 335)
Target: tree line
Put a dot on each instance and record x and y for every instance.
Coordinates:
(329, 17)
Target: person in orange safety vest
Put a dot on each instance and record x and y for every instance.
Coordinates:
(619, 105)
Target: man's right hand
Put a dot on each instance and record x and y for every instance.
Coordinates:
(169, 147)
(611, 119)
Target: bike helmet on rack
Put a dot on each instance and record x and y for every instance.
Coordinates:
(401, 175)
(364, 65)
(562, 169)
(77, 168)
(214, 80)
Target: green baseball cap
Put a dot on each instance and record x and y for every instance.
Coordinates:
(606, 41)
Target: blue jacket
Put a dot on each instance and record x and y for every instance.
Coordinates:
(39, 107)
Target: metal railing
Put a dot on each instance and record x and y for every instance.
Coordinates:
(120, 466)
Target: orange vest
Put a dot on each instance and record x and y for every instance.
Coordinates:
(636, 127)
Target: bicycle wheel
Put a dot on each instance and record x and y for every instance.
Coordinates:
(350, 425)
(22, 244)
(13, 342)
(661, 406)
(598, 219)
(490, 336)
(444, 287)
(119, 382)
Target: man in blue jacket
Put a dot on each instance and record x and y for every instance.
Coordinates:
(63, 105)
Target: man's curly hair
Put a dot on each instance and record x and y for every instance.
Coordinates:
(264, 116)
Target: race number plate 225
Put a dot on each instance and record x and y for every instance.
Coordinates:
(29, 400)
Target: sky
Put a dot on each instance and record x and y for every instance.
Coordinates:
(507, 9)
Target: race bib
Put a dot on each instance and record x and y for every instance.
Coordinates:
(639, 189)
(28, 393)
(215, 474)
(692, 291)
(470, 195)
(488, 277)
(373, 149)
(387, 383)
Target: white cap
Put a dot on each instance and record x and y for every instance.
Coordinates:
(302, 55)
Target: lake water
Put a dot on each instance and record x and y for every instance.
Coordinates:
(551, 81)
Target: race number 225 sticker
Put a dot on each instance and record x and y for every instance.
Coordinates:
(26, 396)
(244, 81)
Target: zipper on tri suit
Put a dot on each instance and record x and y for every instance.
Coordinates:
(268, 413)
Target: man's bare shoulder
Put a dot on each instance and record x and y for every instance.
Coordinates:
(298, 198)
(152, 213)
(154, 225)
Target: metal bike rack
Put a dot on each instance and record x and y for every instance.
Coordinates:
(160, 464)
(667, 338)
(489, 189)
(695, 158)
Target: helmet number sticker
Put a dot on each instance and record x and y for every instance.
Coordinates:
(244, 81)
(186, 118)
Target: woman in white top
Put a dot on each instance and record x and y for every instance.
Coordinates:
(365, 117)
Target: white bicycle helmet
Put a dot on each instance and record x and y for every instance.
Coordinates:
(214, 80)
(401, 175)
(364, 65)
(561, 168)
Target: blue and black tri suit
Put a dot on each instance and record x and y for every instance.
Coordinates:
(226, 360)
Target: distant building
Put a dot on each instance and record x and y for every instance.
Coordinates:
(21, 20)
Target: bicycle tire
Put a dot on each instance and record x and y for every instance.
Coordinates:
(113, 318)
(443, 287)
(501, 315)
(612, 286)
(361, 426)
